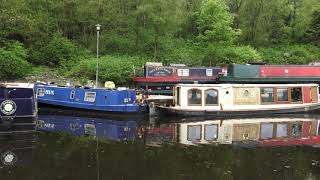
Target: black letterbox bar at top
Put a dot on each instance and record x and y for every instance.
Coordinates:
(210, 71)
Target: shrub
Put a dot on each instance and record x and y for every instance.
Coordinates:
(120, 69)
(13, 63)
(219, 54)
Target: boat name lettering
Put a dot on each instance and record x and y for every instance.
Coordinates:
(49, 92)
(159, 71)
(126, 100)
(49, 126)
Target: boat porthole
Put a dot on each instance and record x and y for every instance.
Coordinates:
(227, 92)
(246, 93)
(9, 158)
(8, 107)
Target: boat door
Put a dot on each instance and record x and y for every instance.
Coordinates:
(72, 95)
(307, 94)
(75, 94)
(306, 128)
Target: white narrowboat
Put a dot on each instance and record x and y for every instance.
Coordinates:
(242, 99)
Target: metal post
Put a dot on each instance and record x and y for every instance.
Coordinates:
(97, 68)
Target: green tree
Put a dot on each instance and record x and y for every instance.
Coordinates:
(58, 50)
(313, 33)
(214, 22)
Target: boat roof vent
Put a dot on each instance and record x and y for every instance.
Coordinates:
(153, 64)
(178, 65)
(109, 85)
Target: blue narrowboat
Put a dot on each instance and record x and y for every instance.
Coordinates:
(18, 108)
(103, 100)
(84, 126)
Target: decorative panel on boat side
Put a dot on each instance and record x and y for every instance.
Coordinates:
(243, 132)
(314, 128)
(158, 71)
(314, 94)
(246, 96)
(289, 71)
(306, 94)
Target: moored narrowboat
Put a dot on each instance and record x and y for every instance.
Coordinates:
(160, 80)
(241, 99)
(241, 73)
(99, 99)
(18, 108)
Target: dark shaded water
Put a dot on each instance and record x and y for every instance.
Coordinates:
(49, 155)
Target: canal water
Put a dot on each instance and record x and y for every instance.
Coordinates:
(87, 148)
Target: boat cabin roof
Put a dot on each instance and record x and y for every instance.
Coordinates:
(243, 85)
(17, 85)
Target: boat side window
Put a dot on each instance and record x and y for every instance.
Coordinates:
(194, 97)
(90, 96)
(90, 129)
(40, 92)
(266, 131)
(194, 132)
(296, 94)
(266, 95)
(183, 72)
(282, 130)
(178, 96)
(72, 94)
(211, 132)
(282, 95)
(211, 97)
(296, 129)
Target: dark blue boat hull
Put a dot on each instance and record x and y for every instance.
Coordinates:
(18, 110)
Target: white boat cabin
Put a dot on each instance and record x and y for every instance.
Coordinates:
(231, 97)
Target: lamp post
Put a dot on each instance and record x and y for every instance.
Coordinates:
(97, 68)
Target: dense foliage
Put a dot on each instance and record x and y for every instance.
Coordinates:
(13, 61)
(58, 33)
(119, 69)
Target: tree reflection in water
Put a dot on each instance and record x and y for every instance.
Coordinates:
(60, 156)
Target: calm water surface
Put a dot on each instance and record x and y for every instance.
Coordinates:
(48, 155)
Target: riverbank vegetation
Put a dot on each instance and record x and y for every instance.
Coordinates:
(61, 36)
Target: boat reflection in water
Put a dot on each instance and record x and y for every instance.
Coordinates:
(85, 126)
(274, 131)
(16, 149)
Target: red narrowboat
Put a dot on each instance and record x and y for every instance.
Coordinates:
(159, 79)
(272, 73)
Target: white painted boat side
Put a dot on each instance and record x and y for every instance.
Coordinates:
(227, 99)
